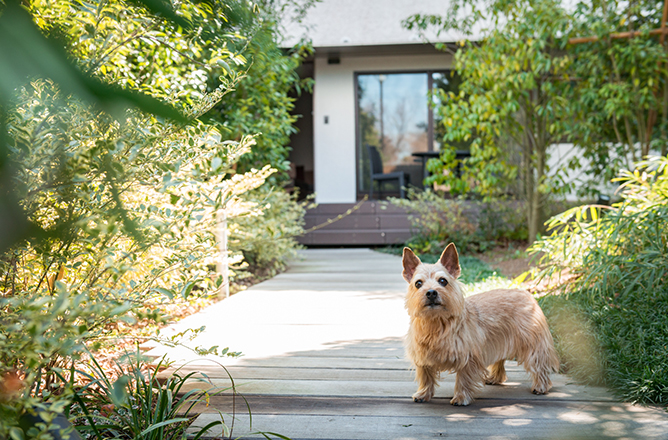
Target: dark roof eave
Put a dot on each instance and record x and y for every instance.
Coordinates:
(380, 49)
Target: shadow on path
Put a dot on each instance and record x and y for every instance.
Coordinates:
(324, 360)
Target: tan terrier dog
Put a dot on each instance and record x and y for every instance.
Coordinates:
(465, 336)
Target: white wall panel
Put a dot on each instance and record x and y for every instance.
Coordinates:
(334, 117)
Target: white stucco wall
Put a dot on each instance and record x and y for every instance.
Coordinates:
(334, 98)
(560, 154)
(332, 23)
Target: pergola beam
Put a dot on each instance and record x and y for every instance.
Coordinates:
(619, 35)
(630, 34)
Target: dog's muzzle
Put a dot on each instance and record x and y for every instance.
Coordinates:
(432, 298)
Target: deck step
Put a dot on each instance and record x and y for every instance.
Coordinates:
(371, 223)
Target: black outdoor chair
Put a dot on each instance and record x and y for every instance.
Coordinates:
(377, 174)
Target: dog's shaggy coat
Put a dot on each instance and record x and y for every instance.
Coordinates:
(474, 336)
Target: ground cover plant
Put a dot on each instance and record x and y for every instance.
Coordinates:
(613, 264)
(114, 176)
(131, 401)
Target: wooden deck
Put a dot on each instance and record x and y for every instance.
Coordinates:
(373, 223)
(324, 360)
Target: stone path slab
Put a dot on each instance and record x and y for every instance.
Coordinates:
(323, 359)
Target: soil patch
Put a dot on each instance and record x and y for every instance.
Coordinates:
(510, 260)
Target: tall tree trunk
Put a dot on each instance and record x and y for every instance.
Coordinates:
(536, 218)
(529, 187)
(664, 119)
(534, 164)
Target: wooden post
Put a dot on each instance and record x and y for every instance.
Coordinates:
(222, 266)
(616, 36)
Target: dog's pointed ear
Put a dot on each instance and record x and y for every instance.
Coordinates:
(450, 260)
(410, 262)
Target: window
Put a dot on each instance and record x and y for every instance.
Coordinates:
(393, 115)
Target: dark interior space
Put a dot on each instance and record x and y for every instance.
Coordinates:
(301, 156)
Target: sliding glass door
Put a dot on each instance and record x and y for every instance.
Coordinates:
(393, 115)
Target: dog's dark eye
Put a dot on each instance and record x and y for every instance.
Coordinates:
(418, 284)
(442, 281)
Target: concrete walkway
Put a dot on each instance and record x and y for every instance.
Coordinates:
(323, 359)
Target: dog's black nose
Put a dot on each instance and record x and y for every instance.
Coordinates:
(431, 295)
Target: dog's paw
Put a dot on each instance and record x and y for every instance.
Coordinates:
(495, 380)
(541, 388)
(422, 396)
(461, 401)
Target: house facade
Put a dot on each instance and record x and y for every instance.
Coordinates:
(371, 83)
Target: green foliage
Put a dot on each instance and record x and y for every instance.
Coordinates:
(265, 98)
(436, 221)
(27, 53)
(122, 43)
(131, 401)
(525, 88)
(619, 258)
(473, 226)
(134, 405)
(267, 241)
(619, 86)
(133, 210)
(500, 221)
(113, 210)
(510, 105)
(134, 401)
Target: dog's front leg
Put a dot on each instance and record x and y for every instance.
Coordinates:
(469, 379)
(426, 378)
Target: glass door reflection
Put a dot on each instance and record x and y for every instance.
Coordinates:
(393, 116)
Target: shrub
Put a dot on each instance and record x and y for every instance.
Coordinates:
(127, 233)
(501, 221)
(266, 96)
(267, 241)
(436, 221)
(471, 225)
(617, 262)
(124, 203)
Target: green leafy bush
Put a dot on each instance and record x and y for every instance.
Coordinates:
(265, 97)
(124, 203)
(267, 241)
(472, 225)
(436, 221)
(501, 221)
(615, 261)
(132, 213)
